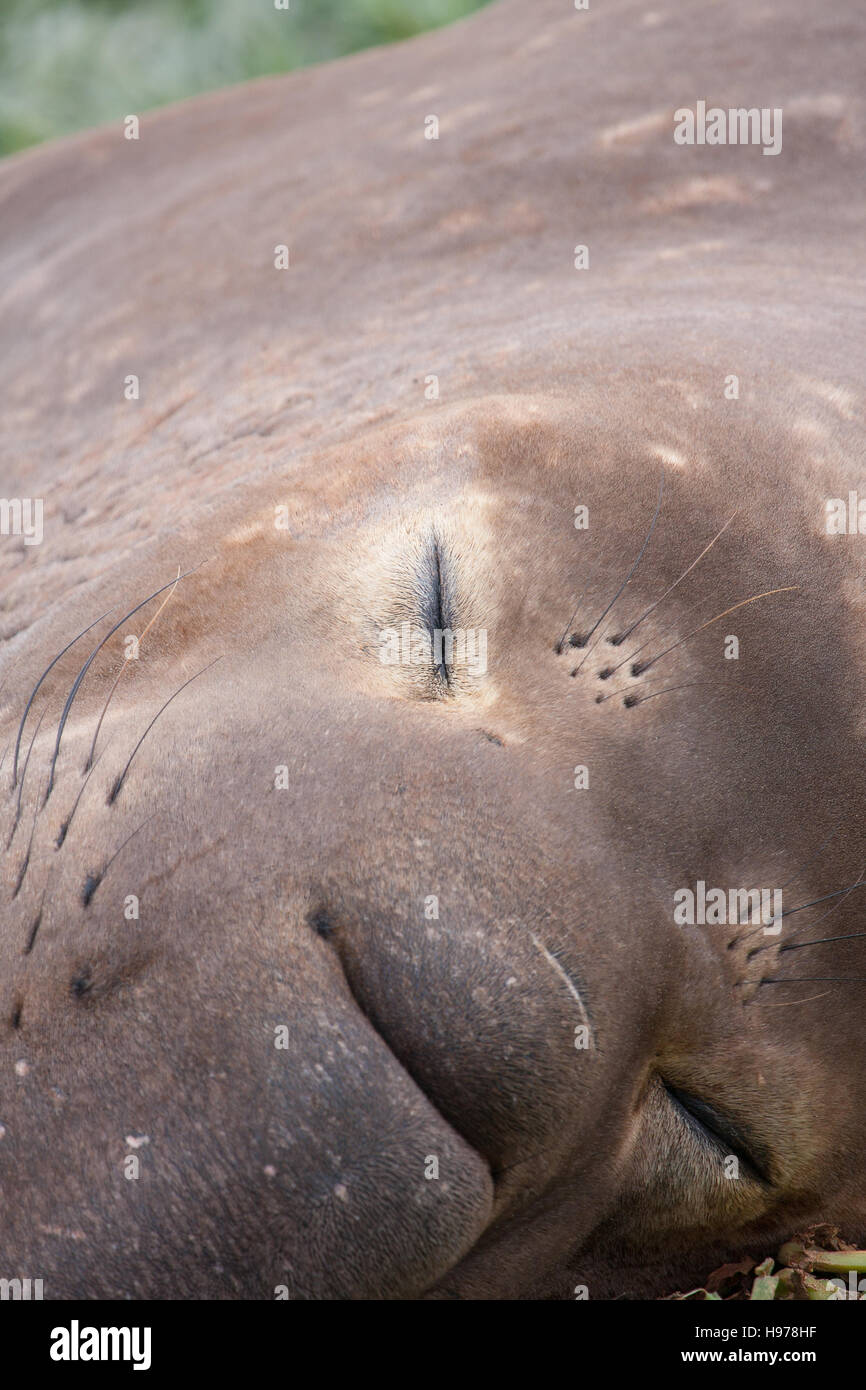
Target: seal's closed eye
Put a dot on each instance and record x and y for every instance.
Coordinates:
(436, 597)
(715, 1127)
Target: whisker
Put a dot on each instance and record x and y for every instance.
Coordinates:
(632, 654)
(93, 881)
(629, 690)
(789, 588)
(796, 1003)
(590, 650)
(636, 563)
(124, 667)
(821, 941)
(623, 690)
(88, 663)
(112, 796)
(818, 979)
(64, 829)
(836, 905)
(631, 700)
(36, 687)
(89, 760)
(31, 939)
(826, 898)
(125, 843)
(841, 893)
(654, 606)
(26, 863)
(570, 626)
(23, 775)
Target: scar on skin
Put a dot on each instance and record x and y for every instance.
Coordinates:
(567, 981)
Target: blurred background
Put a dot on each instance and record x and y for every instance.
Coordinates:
(69, 64)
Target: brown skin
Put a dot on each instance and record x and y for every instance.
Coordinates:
(411, 1037)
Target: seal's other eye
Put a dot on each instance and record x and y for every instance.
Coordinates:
(436, 600)
(712, 1127)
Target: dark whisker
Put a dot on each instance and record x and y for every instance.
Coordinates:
(568, 627)
(842, 894)
(86, 667)
(122, 847)
(623, 690)
(89, 763)
(561, 643)
(631, 656)
(23, 775)
(31, 939)
(124, 667)
(36, 687)
(26, 863)
(64, 829)
(835, 908)
(818, 979)
(634, 699)
(590, 650)
(631, 699)
(826, 898)
(93, 881)
(653, 606)
(822, 941)
(636, 563)
(633, 653)
(112, 796)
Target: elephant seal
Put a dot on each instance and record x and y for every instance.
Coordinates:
(338, 965)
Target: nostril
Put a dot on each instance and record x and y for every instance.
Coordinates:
(322, 924)
(82, 982)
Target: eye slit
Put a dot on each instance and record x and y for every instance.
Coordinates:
(715, 1128)
(436, 603)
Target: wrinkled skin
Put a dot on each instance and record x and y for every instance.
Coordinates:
(412, 1037)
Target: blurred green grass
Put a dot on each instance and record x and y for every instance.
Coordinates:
(69, 64)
